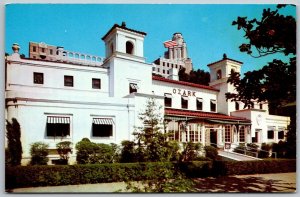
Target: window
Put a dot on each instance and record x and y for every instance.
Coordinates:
(237, 106)
(96, 83)
(168, 65)
(51, 51)
(184, 102)
(227, 133)
(199, 103)
(102, 127)
(242, 134)
(38, 78)
(157, 69)
(213, 105)
(194, 133)
(260, 106)
(163, 64)
(219, 74)
(34, 48)
(270, 134)
(280, 135)
(58, 126)
(153, 69)
(168, 72)
(43, 50)
(164, 71)
(133, 88)
(129, 48)
(168, 100)
(68, 81)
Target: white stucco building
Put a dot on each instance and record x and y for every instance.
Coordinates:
(69, 99)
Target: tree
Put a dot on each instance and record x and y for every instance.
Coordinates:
(273, 33)
(39, 153)
(64, 149)
(195, 76)
(14, 146)
(275, 82)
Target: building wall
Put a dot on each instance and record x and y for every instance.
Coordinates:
(160, 88)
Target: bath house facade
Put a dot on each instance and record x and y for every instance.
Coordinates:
(74, 96)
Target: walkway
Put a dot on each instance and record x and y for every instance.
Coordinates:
(279, 182)
(236, 156)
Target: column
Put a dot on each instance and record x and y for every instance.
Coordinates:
(183, 51)
(198, 130)
(170, 53)
(202, 134)
(175, 53)
(188, 132)
(179, 53)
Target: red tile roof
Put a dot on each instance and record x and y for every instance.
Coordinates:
(223, 60)
(203, 115)
(157, 78)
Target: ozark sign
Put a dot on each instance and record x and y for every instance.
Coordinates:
(183, 92)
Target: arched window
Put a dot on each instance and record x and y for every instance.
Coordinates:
(219, 74)
(129, 47)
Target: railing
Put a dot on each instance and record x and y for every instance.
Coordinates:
(79, 58)
(246, 150)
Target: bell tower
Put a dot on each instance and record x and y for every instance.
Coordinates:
(219, 74)
(121, 41)
(129, 74)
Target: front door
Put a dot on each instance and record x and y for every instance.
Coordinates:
(213, 137)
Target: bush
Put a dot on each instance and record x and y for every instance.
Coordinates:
(254, 167)
(264, 151)
(39, 153)
(190, 151)
(128, 152)
(14, 145)
(91, 153)
(280, 149)
(64, 149)
(211, 152)
(240, 149)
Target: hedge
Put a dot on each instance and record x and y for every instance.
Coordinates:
(254, 167)
(34, 176)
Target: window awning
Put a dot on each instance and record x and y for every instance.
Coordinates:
(230, 122)
(103, 121)
(185, 98)
(200, 99)
(58, 120)
(134, 86)
(213, 101)
(168, 95)
(176, 118)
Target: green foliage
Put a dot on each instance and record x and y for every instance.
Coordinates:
(280, 148)
(39, 153)
(64, 149)
(264, 150)
(211, 152)
(14, 146)
(254, 167)
(35, 176)
(128, 152)
(195, 76)
(191, 151)
(273, 33)
(90, 153)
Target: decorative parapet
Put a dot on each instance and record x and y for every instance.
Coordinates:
(78, 58)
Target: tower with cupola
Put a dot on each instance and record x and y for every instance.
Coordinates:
(124, 56)
(219, 74)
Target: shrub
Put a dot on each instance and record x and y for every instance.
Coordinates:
(64, 149)
(90, 152)
(14, 145)
(128, 152)
(280, 149)
(211, 152)
(254, 167)
(190, 151)
(264, 151)
(240, 149)
(39, 153)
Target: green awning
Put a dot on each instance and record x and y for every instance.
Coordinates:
(230, 122)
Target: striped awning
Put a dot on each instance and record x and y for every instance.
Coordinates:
(103, 121)
(58, 120)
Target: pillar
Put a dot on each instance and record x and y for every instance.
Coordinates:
(202, 134)
(170, 53)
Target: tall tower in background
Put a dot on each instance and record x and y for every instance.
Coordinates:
(176, 57)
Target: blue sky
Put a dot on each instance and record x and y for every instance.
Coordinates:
(206, 29)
